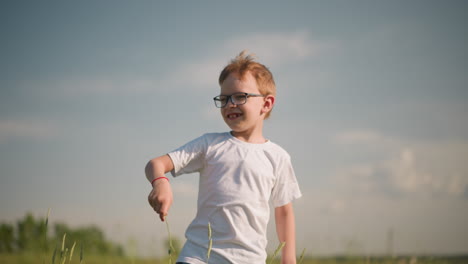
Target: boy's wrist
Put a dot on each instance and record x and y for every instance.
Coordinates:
(162, 178)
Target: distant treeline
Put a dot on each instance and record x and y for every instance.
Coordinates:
(34, 235)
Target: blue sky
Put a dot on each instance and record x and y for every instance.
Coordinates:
(372, 106)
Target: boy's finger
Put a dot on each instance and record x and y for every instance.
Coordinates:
(162, 216)
(163, 211)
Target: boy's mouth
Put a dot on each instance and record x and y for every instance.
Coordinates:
(233, 116)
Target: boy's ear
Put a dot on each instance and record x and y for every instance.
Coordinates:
(268, 103)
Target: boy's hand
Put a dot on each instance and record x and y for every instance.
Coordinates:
(160, 198)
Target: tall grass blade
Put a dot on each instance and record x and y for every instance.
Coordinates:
(63, 247)
(81, 253)
(301, 258)
(278, 249)
(171, 247)
(63, 241)
(47, 218)
(54, 254)
(71, 251)
(45, 233)
(65, 256)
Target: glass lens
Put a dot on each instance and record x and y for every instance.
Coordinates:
(239, 98)
(220, 101)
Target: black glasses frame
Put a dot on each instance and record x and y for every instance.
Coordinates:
(220, 102)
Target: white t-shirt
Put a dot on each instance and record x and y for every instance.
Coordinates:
(237, 181)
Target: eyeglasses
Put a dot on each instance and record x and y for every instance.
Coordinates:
(236, 99)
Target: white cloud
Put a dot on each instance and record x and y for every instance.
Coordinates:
(277, 47)
(272, 49)
(407, 176)
(76, 86)
(427, 168)
(367, 138)
(195, 75)
(104, 85)
(32, 129)
(357, 137)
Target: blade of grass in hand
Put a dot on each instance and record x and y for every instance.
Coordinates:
(280, 246)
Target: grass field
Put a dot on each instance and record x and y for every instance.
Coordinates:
(38, 248)
(66, 254)
(39, 259)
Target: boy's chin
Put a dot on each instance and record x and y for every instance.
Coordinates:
(237, 131)
(232, 124)
(234, 129)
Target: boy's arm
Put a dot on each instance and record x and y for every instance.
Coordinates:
(286, 230)
(160, 198)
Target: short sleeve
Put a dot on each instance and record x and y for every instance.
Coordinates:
(286, 188)
(189, 157)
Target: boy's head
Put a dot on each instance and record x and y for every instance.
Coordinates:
(243, 65)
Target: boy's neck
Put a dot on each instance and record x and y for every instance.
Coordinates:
(254, 138)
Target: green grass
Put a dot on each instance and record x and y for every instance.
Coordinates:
(62, 255)
(34, 259)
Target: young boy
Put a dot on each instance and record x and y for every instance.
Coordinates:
(240, 172)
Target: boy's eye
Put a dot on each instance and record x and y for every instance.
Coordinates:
(222, 99)
(239, 97)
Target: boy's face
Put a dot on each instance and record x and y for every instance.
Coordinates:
(245, 118)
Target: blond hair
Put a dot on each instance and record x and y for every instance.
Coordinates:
(245, 63)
